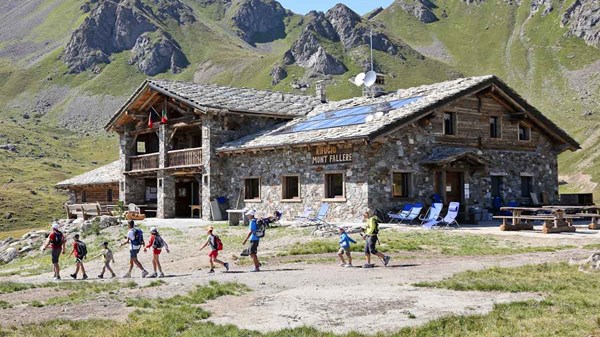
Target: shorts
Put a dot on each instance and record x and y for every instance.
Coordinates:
(55, 255)
(106, 264)
(156, 251)
(254, 247)
(370, 245)
(78, 260)
(213, 253)
(343, 251)
(133, 253)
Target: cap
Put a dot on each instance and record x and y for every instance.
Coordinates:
(153, 230)
(55, 225)
(210, 228)
(250, 212)
(105, 243)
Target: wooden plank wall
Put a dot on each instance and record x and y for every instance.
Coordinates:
(97, 193)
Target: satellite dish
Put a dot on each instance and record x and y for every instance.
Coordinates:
(359, 79)
(370, 78)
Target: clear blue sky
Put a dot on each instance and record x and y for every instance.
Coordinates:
(359, 6)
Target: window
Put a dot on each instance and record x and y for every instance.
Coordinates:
(141, 147)
(109, 195)
(524, 132)
(449, 123)
(252, 188)
(495, 131)
(400, 185)
(526, 186)
(291, 187)
(334, 185)
(497, 186)
(84, 196)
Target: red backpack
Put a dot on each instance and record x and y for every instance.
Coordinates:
(218, 243)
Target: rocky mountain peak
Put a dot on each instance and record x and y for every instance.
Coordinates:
(583, 20)
(343, 19)
(113, 27)
(420, 9)
(259, 20)
(318, 23)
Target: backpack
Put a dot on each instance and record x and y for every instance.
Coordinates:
(218, 243)
(81, 249)
(261, 228)
(138, 237)
(58, 239)
(158, 242)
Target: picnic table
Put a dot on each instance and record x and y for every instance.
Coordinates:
(234, 216)
(554, 219)
(591, 212)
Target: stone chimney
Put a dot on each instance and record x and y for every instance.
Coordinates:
(321, 93)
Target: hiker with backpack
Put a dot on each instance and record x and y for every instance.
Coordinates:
(80, 251)
(371, 239)
(345, 241)
(215, 246)
(56, 240)
(157, 243)
(107, 256)
(135, 237)
(254, 234)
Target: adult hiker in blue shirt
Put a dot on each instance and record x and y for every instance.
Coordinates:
(254, 240)
(345, 241)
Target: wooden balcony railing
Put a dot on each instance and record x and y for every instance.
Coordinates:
(176, 158)
(185, 157)
(144, 162)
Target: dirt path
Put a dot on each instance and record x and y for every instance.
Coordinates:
(326, 296)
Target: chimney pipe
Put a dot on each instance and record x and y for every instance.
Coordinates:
(321, 94)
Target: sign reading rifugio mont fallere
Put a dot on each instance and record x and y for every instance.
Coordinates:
(331, 154)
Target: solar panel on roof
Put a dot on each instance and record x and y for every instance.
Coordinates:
(347, 116)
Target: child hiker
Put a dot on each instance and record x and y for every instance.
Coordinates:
(345, 241)
(215, 245)
(107, 256)
(80, 251)
(157, 243)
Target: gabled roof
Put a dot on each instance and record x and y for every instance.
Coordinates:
(443, 156)
(205, 96)
(430, 97)
(107, 174)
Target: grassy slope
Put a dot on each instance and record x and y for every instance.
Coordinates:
(531, 53)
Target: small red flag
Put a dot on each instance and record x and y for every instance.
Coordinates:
(164, 119)
(150, 120)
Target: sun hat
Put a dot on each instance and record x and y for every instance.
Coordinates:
(250, 212)
(55, 225)
(153, 230)
(210, 228)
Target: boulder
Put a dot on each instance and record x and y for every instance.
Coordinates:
(8, 255)
(109, 221)
(157, 55)
(420, 9)
(25, 249)
(278, 73)
(9, 147)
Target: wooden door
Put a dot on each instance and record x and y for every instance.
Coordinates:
(454, 187)
(183, 194)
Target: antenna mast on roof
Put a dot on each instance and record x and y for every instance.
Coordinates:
(371, 36)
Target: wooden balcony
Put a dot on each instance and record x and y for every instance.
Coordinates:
(175, 159)
(185, 158)
(144, 162)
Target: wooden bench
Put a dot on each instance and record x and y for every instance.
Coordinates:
(91, 210)
(74, 211)
(594, 218)
(556, 222)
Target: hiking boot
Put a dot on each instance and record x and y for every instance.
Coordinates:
(161, 275)
(113, 275)
(144, 273)
(128, 275)
(349, 265)
(212, 271)
(153, 275)
(386, 260)
(74, 276)
(255, 270)
(342, 264)
(56, 278)
(100, 276)
(226, 265)
(368, 265)
(84, 276)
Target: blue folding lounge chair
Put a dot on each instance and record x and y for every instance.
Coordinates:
(400, 215)
(415, 211)
(433, 213)
(447, 221)
(319, 220)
